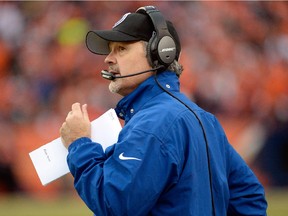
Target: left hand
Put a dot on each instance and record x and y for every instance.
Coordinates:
(76, 125)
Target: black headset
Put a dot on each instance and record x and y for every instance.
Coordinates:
(161, 47)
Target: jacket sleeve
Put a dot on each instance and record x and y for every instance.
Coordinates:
(127, 179)
(247, 195)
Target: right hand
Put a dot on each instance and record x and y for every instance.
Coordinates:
(76, 125)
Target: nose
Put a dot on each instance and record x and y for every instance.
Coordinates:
(110, 59)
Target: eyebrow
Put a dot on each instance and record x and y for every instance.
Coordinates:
(111, 43)
(121, 43)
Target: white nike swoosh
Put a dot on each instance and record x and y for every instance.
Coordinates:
(122, 157)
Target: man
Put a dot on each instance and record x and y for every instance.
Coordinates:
(172, 157)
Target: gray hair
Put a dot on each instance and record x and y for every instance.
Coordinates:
(175, 66)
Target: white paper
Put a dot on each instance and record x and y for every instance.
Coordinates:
(49, 160)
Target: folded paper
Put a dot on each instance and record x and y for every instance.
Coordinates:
(49, 160)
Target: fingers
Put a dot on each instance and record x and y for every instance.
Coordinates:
(63, 127)
(63, 134)
(85, 112)
(76, 109)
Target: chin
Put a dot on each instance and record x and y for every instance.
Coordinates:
(114, 87)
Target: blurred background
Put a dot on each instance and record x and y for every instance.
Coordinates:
(235, 58)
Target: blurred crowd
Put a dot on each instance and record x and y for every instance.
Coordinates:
(235, 58)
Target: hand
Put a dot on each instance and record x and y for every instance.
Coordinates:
(76, 125)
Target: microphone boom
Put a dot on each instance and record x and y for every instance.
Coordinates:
(110, 76)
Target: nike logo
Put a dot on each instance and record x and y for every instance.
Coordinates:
(122, 157)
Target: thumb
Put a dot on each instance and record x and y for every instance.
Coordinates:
(85, 112)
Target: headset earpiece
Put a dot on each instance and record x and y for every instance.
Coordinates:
(161, 48)
(149, 51)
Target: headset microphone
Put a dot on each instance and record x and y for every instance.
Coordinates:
(110, 76)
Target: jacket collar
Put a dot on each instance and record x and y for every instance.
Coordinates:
(132, 103)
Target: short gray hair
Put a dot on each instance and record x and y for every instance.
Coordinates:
(175, 66)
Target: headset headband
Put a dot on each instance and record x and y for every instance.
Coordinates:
(161, 47)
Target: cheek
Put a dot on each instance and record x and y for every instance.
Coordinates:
(134, 64)
(126, 67)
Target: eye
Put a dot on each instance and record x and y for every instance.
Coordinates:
(121, 48)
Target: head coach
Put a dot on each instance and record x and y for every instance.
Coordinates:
(171, 157)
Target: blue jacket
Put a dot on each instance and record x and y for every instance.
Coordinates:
(159, 165)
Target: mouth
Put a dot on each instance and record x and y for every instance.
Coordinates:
(114, 72)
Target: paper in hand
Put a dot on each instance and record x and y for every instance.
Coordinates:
(49, 160)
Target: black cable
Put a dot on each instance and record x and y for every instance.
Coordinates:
(205, 138)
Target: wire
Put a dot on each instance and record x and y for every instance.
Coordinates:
(205, 138)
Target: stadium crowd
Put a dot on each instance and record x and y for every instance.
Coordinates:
(235, 58)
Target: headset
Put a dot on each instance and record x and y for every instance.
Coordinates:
(161, 47)
(161, 50)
